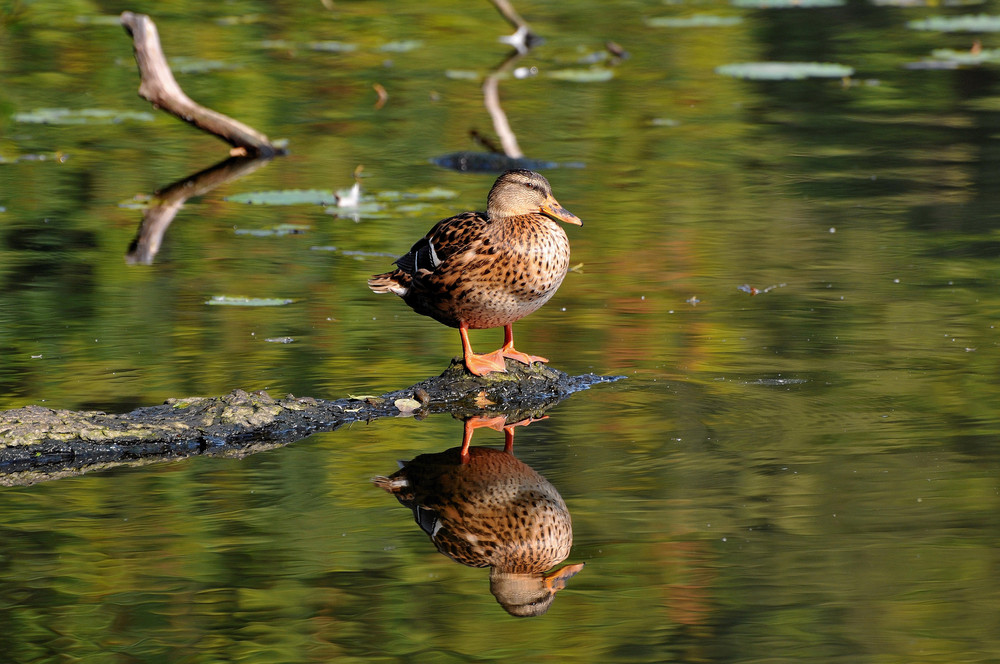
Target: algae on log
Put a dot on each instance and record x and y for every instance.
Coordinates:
(38, 444)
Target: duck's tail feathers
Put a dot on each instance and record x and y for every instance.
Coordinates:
(397, 282)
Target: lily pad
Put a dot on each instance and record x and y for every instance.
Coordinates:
(68, 116)
(186, 65)
(403, 46)
(462, 74)
(782, 71)
(278, 231)
(946, 58)
(286, 197)
(432, 194)
(926, 3)
(231, 301)
(591, 75)
(367, 209)
(964, 23)
(102, 19)
(787, 4)
(695, 21)
(332, 46)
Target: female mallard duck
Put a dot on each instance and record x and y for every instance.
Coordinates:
(479, 270)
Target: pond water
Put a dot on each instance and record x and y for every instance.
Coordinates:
(807, 473)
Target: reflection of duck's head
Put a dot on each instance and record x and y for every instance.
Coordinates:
(526, 595)
(486, 508)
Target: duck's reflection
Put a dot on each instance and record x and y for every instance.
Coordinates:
(483, 507)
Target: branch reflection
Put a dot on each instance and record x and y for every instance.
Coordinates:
(483, 507)
(168, 201)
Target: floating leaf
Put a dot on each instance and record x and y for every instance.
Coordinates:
(185, 65)
(695, 21)
(332, 46)
(278, 231)
(432, 194)
(462, 74)
(231, 301)
(412, 208)
(286, 197)
(66, 116)
(780, 71)
(964, 23)
(104, 19)
(926, 3)
(402, 46)
(369, 254)
(282, 44)
(787, 4)
(362, 209)
(946, 58)
(591, 75)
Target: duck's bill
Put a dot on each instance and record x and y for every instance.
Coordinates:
(552, 209)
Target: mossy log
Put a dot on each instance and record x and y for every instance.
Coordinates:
(38, 444)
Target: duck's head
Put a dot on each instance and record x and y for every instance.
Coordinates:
(521, 192)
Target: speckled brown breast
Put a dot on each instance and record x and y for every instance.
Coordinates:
(494, 511)
(508, 273)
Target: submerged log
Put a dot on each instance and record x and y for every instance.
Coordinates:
(38, 444)
(159, 87)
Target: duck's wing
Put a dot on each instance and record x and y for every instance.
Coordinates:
(448, 237)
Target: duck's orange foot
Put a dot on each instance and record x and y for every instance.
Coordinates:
(518, 356)
(480, 365)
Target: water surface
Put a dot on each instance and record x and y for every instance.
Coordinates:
(804, 474)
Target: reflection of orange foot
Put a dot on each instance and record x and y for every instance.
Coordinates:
(508, 431)
(478, 422)
(497, 423)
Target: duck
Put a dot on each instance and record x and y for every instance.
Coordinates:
(483, 507)
(481, 270)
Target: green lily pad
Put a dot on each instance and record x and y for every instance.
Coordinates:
(462, 74)
(332, 46)
(232, 301)
(185, 65)
(432, 194)
(366, 209)
(591, 75)
(986, 55)
(964, 23)
(286, 197)
(403, 46)
(695, 21)
(787, 4)
(782, 71)
(926, 3)
(277, 231)
(103, 19)
(67, 116)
